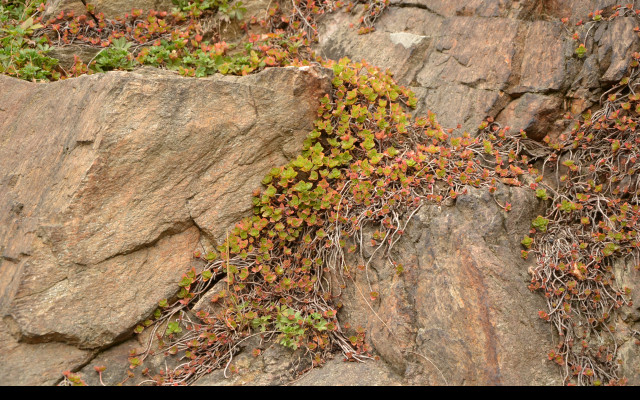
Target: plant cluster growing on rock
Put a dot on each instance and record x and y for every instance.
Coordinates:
(591, 225)
(186, 39)
(368, 162)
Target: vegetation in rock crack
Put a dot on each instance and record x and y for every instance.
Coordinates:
(366, 163)
(188, 39)
(591, 225)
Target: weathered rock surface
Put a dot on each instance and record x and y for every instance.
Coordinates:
(35, 364)
(111, 181)
(337, 372)
(460, 312)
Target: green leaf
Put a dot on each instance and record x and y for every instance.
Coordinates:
(540, 223)
(186, 281)
(289, 173)
(270, 192)
(488, 148)
(173, 327)
(369, 144)
(615, 145)
(610, 248)
(567, 206)
(303, 186)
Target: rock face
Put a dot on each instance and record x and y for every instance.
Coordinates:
(339, 373)
(511, 60)
(110, 182)
(459, 312)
